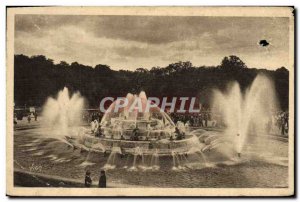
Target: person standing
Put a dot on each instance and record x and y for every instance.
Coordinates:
(205, 119)
(87, 180)
(286, 120)
(35, 116)
(135, 134)
(29, 118)
(102, 180)
(200, 120)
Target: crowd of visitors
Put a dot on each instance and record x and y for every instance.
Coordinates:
(278, 122)
(29, 117)
(281, 121)
(90, 116)
(203, 119)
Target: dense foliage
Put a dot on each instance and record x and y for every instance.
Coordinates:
(37, 77)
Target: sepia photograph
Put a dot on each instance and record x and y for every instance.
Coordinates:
(150, 101)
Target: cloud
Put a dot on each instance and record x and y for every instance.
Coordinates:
(141, 41)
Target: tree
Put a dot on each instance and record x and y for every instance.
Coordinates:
(63, 64)
(232, 62)
(157, 71)
(36, 78)
(142, 70)
(103, 68)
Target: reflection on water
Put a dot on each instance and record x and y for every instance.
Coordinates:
(215, 167)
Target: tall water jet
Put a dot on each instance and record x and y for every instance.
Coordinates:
(246, 113)
(63, 111)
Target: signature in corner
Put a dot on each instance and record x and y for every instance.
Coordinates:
(35, 168)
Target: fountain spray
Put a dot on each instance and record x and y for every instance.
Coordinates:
(244, 112)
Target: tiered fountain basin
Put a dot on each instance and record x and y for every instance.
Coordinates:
(150, 138)
(161, 147)
(137, 132)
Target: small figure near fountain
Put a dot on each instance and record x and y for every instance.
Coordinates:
(102, 180)
(88, 179)
(95, 126)
(239, 153)
(29, 118)
(135, 136)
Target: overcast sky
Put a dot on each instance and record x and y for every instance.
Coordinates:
(130, 42)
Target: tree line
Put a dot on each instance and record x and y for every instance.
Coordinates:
(37, 77)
